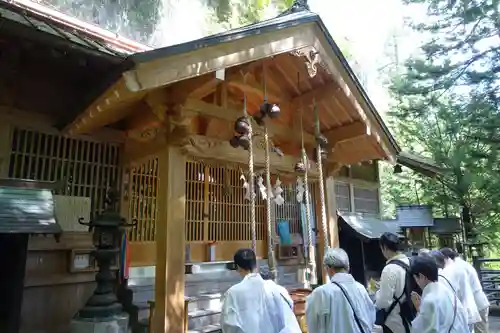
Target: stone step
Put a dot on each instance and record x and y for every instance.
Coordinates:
(207, 329)
(203, 318)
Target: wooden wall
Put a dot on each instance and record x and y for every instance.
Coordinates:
(31, 148)
(53, 295)
(216, 210)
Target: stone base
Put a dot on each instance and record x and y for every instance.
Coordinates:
(115, 324)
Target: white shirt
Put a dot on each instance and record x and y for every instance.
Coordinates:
(480, 298)
(392, 284)
(254, 306)
(437, 308)
(328, 311)
(458, 277)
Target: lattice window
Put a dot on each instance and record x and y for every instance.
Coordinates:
(343, 197)
(143, 191)
(90, 168)
(216, 209)
(290, 210)
(366, 200)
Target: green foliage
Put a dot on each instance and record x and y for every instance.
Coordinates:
(446, 108)
(138, 20)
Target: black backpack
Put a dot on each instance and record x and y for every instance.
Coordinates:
(408, 312)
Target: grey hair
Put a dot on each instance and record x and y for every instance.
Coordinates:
(336, 258)
(424, 251)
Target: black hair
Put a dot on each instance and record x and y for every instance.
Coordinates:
(449, 253)
(267, 275)
(425, 266)
(389, 241)
(245, 259)
(439, 258)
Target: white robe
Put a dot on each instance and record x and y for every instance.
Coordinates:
(328, 311)
(282, 291)
(436, 311)
(458, 278)
(480, 298)
(254, 306)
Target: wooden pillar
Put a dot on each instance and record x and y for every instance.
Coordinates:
(331, 212)
(170, 242)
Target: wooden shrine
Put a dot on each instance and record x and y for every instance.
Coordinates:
(177, 107)
(160, 123)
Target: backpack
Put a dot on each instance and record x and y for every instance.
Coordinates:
(408, 312)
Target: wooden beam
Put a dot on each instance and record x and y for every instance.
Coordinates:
(206, 88)
(170, 242)
(318, 94)
(216, 149)
(210, 110)
(250, 85)
(345, 133)
(209, 58)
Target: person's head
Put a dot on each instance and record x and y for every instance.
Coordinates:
(266, 274)
(389, 244)
(424, 251)
(245, 261)
(336, 260)
(424, 270)
(449, 255)
(439, 258)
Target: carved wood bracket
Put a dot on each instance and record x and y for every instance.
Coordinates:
(312, 60)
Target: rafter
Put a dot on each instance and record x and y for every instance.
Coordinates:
(345, 133)
(317, 94)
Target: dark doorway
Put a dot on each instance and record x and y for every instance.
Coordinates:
(13, 250)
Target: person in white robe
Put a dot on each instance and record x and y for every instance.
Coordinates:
(392, 283)
(482, 302)
(458, 278)
(440, 260)
(254, 306)
(439, 310)
(268, 278)
(343, 305)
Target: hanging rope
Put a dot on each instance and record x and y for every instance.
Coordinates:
(310, 247)
(321, 180)
(270, 231)
(251, 176)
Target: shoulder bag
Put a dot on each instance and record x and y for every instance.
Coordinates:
(356, 318)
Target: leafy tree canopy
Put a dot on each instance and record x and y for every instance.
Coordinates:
(446, 107)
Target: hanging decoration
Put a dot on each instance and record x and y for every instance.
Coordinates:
(310, 253)
(321, 155)
(246, 187)
(262, 188)
(300, 189)
(243, 139)
(271, 111)
(278, 198)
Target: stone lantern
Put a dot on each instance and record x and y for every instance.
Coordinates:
(103, 311)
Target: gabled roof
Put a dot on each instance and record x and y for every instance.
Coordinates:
(299, 14)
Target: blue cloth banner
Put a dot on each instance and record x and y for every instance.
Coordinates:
(284, 232)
